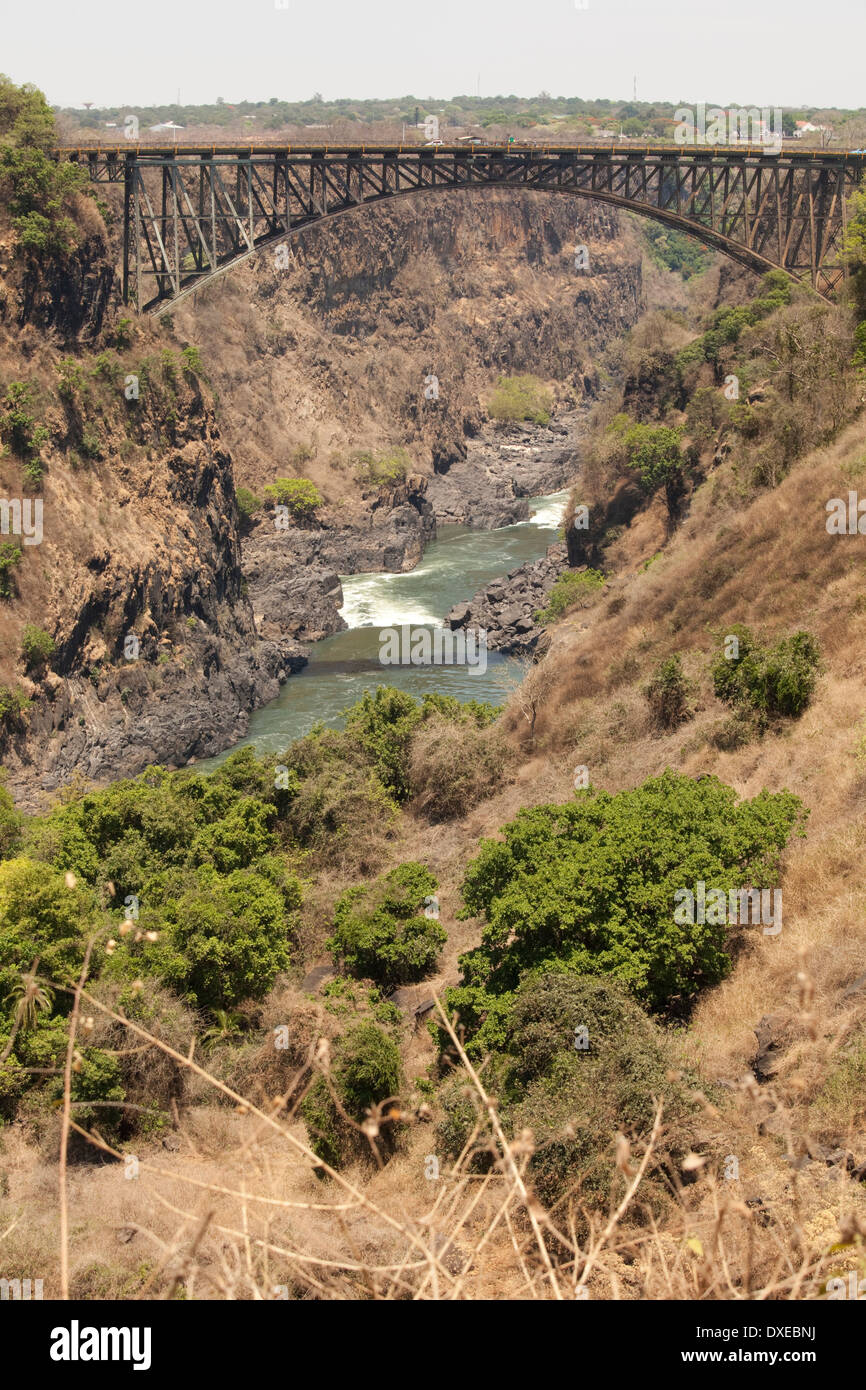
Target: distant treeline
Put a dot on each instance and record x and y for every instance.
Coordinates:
(518, 112)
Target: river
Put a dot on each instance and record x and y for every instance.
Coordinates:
(454, 567)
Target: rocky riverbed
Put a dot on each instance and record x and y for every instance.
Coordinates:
(506, 608)
(293, 576)
(503, 468)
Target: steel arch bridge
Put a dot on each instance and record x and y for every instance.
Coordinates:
(192, 212)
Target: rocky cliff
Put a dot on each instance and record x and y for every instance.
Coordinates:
(331, 354)
(134, 575)
(170, 624)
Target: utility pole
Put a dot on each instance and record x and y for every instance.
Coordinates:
(634, 90)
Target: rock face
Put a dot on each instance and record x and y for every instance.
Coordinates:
(137, 575)
(506, 608)
(586, 542)
(157, 654)
(334, 351)
(293, 575)
(503, 468)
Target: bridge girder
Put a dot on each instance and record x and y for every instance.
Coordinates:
(192, 214)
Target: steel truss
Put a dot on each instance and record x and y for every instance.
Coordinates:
(189, 214)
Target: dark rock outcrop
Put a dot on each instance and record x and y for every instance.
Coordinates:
(503, 468)
(293, 575)
(506, 608)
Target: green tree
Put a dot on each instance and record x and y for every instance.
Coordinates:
(298, 494)
(654, 451)
(855, 248)
(224, 939)
(383, 724)
(38, 188)
(591, 884)
(381, 932)
(366, 1071)
(40, 917)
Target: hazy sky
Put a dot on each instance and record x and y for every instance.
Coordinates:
(112, 52)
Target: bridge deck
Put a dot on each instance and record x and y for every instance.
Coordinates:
(242, 151)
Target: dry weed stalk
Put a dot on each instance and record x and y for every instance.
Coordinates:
(484, 1233)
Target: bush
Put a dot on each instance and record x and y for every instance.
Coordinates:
(10, 555)
(668, 694)
(591, 885)
(576, 1100)
(14, 705)
(572, 589)
(191, 359)
(37, 646)
(365, 1072)
(223, 938)
(248, 503)
(454, 766)
(383, 470)
(520, 398)
(19, 428)
(339, 810)
(573, 1100)
(770, 681)
(380, 932)
(298, 494)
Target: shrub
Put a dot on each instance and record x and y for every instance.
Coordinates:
(365, 1072)
(770, 681)
(668, 694)
(14, 705)
(123, 330)
(9, 555)
(298, 494)
(107, 366)
(339, 809)
(520, 398)
(454, 766)
(37, 646)
(191, 359)
(380, 932)
(576, 1100)
(573, 589)
(573, 1099)
(223, 938)
(591, 885)
(248, 503)
(18, 425)
(383, 470)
